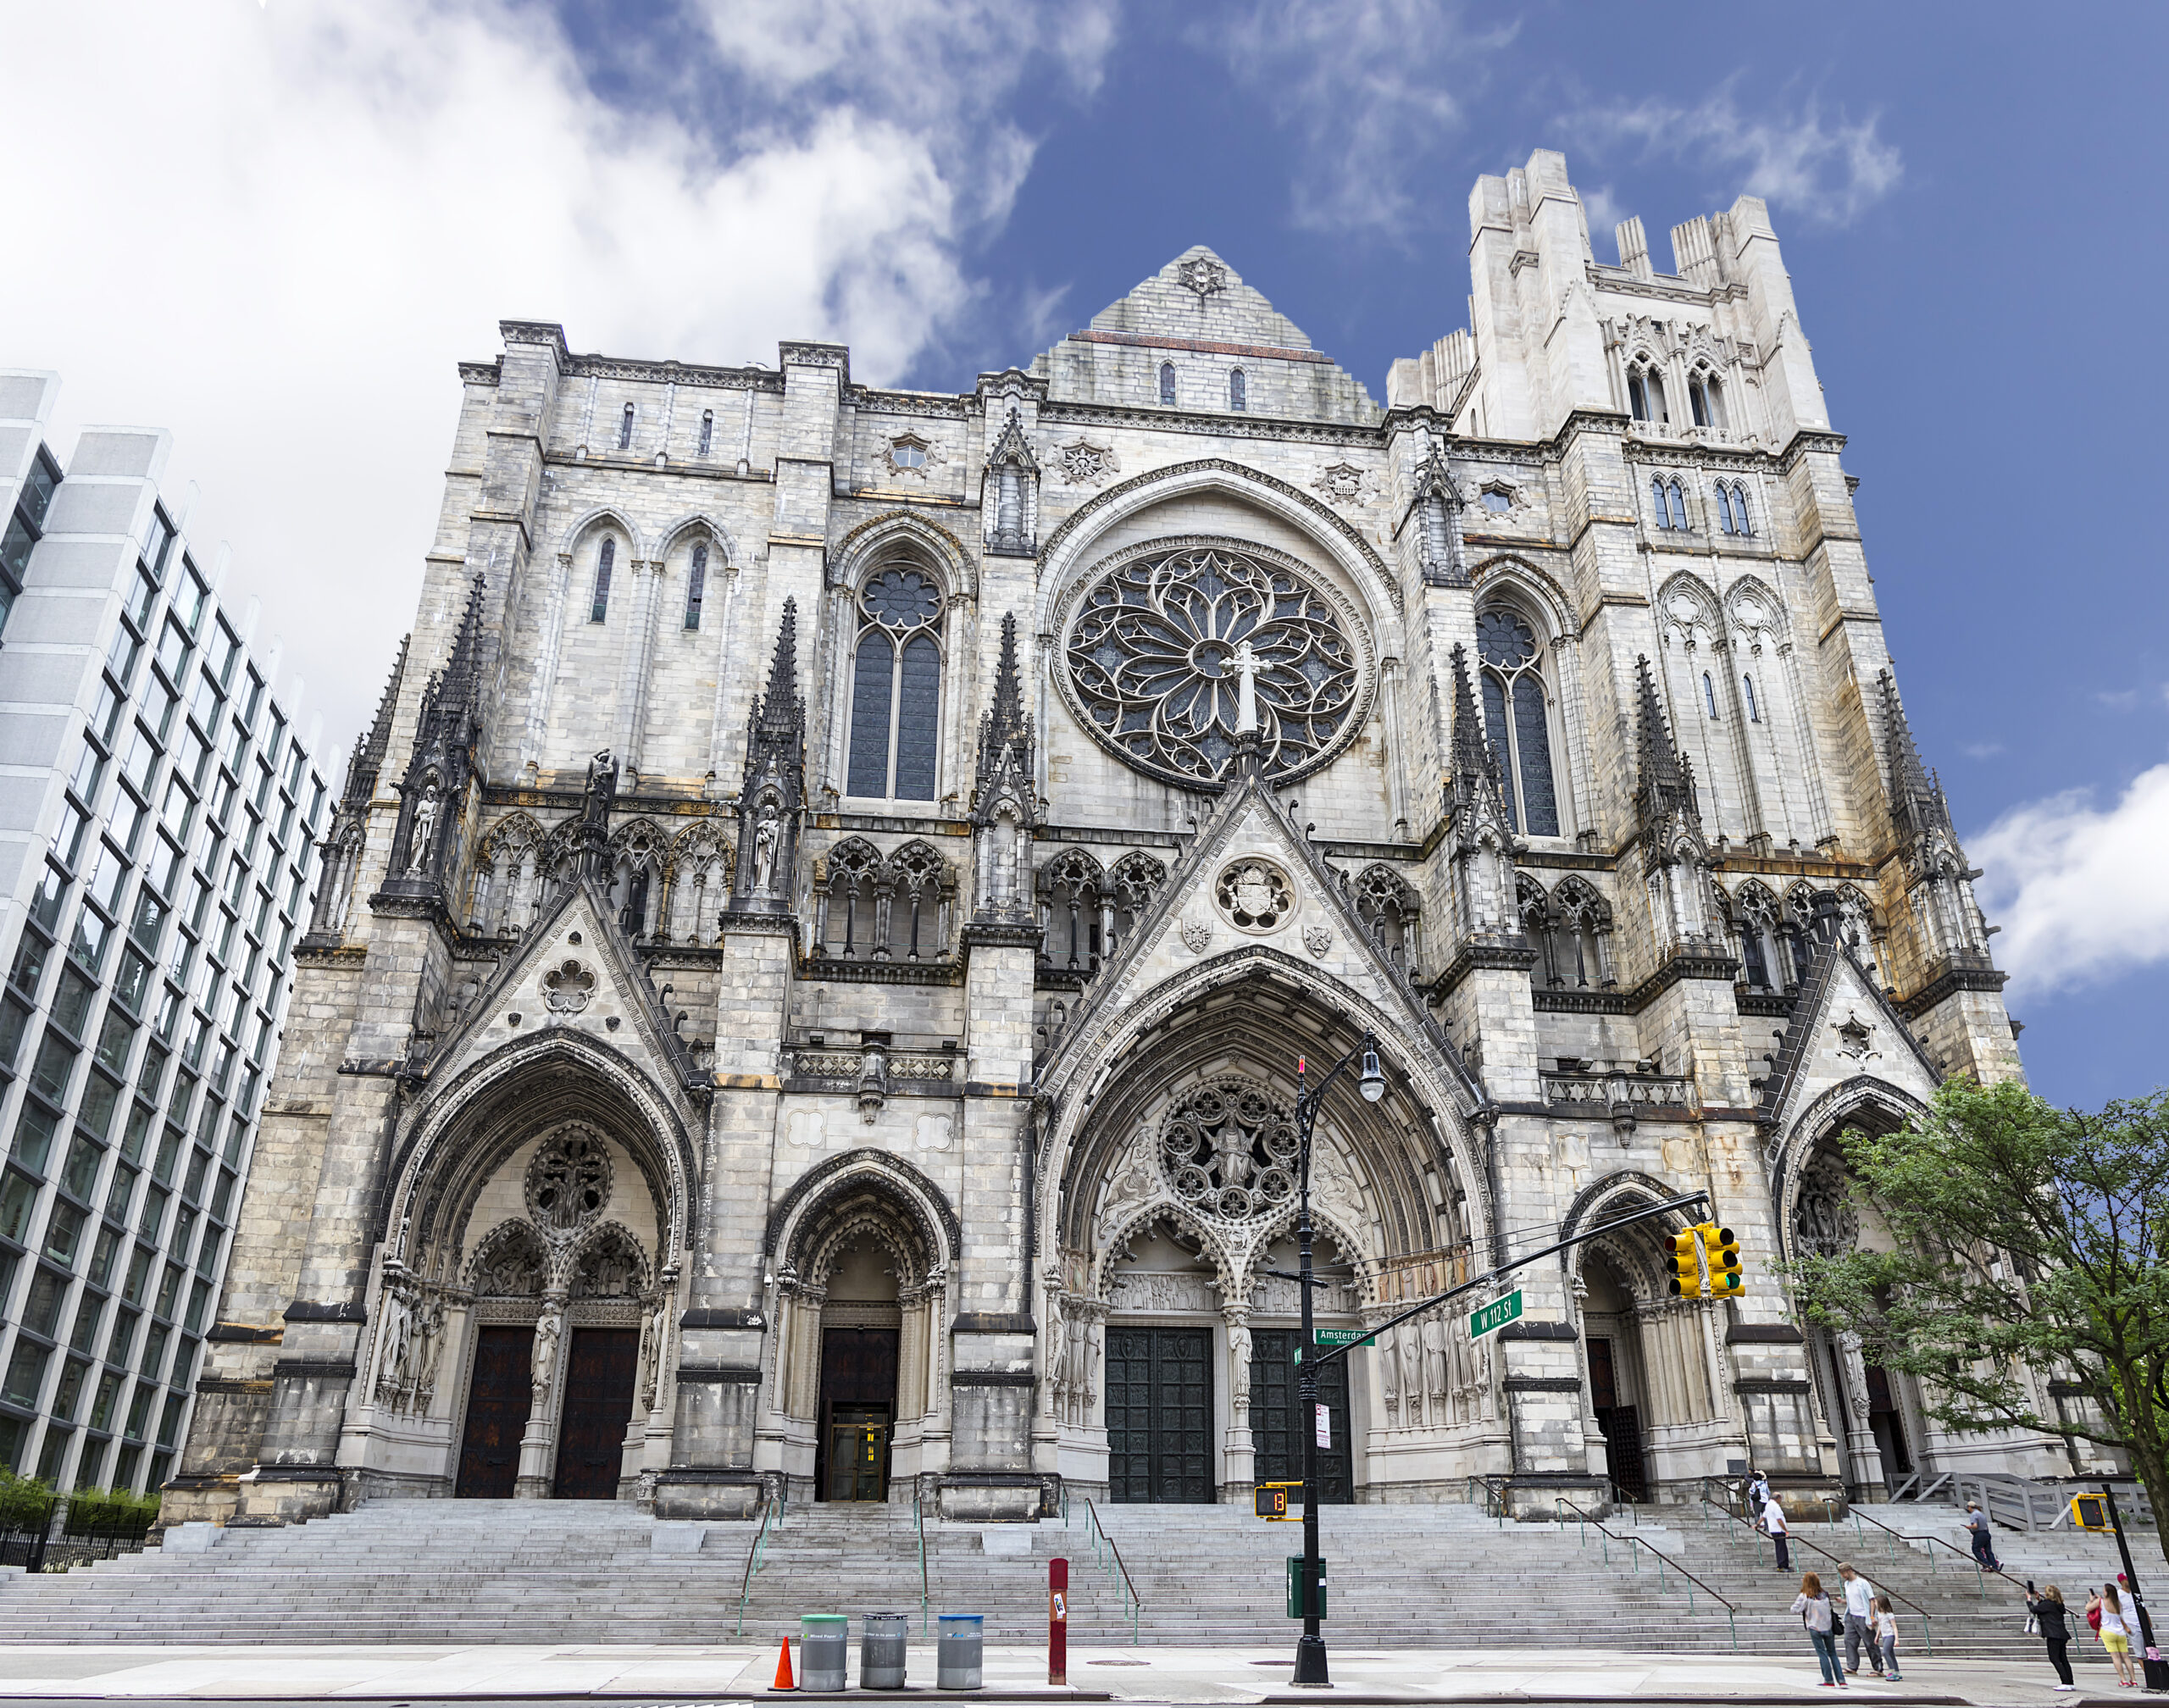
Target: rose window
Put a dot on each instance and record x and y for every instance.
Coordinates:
(1255, 895)
(1229, 1150)
(1161, 646)
(569, 1181)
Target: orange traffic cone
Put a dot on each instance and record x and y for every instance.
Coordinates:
(784, 1680)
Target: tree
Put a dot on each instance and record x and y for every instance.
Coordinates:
(2030, 1248)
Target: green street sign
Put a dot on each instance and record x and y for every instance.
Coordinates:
(1495, 1315)
(1338, 1337)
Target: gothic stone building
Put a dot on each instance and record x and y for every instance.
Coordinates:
(808, 983)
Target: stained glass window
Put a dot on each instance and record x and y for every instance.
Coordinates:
(895, 715)
(1517, 718)
(601, 609)
(1237, 391)
(1167, 384)
(696, 585)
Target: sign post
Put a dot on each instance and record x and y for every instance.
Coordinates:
(1058, 1622)
(1495, 1315)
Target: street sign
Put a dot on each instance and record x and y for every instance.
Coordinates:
(1336, 1337)
(1325, 1427)
(1495, 1315)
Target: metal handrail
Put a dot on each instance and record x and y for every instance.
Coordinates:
(1927, 1633)
(1494, 1496)
(770, 1510)
(1981, 1573)
(1099, 1532)
(1663, 1561)
(918, 1518)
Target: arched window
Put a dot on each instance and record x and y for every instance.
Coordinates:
(896, 702)
(1732, 508)
(1072, 896)
(600, 611)
(1656, 498)
(1136, 878)
(1761, 956)
(1513, 677)
(1705, 394)
(1754, 709)
(1237, 391)
(1645, 395)
(1387, 906)
(626, 430)
(696, 583)
(1709, 695)
(1167, 384)
(707, 431)
(1677, 502)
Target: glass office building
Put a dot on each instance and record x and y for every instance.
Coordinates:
(157, 815)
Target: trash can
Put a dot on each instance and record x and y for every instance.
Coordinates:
(824, 1650)
(881, 1651)
(956, 1660)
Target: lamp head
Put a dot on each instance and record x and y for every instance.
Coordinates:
(1373, 1082)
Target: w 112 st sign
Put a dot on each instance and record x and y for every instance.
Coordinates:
(1495, 1315)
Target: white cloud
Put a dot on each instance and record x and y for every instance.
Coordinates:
(1371, 86)
(1827, 173)
(2077, 889)
(274, 228)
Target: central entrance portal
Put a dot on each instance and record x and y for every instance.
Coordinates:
(1277, 1420)
(1160, 1415)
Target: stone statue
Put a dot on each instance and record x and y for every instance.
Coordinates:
(1435, 1360)
(392, 1340)
(424, 831)
(766, 835)
(547, 1327)
(651, 1351)
(601, 793)
(1390, 1376)
(1238, 1361)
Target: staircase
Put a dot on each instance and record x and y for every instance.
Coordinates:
(551, 1573)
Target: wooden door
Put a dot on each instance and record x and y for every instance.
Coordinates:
(858, 1391)
(1160, 1415)
(599, 1378)
(858, 1453)
(1276, 1409)
(497, 1403)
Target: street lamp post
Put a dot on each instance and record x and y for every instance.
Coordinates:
(1310, 1649)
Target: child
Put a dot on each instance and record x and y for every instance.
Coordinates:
(1886, 1636)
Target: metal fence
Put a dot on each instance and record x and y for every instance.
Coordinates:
(57, 1538)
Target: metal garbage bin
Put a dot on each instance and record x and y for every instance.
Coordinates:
(824, 1650)
(957, 1657)
(881, 1651)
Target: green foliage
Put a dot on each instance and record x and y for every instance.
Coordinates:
(2030, 1248)
(106, 1509)
(24, 1502)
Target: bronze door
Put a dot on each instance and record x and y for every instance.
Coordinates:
(1160, 1415)
(858, 1393)
(599, 1378)
(1276, 1408)
(498, 1404)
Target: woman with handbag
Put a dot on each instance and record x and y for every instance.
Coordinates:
(1819, 1622)
(2048, 1613)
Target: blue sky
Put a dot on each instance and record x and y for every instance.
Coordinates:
(289, 219)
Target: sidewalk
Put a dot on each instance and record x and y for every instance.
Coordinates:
(663, 1675)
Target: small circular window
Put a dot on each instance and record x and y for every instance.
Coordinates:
(907, 453)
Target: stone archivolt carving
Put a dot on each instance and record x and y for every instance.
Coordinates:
(1160, 1291)
(511, 1263)
(1255, 895)
(1229, 1151)
(1152, 663)
(568, 1181)
(1272, 1296)
(1824, 1222)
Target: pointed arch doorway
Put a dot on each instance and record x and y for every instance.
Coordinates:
(862, 1324)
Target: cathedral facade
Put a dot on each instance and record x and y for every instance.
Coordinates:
(811, 966)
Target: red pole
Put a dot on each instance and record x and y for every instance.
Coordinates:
(1058, 1622)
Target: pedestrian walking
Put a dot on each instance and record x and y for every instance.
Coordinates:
(2051, 1614)
(1860, 1618)
(1820, 1620)
(1984, 1547)
(1886, 1636)
(2116, 1636)
(1758, 1496)
(1773, 1526)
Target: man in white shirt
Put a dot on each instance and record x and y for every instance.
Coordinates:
(1860, 1620)
(1774, 1525)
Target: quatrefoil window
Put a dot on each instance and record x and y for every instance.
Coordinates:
(1160, 645)
(1255, 895)
(566, 988)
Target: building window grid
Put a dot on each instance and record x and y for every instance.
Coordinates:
(101, 1165)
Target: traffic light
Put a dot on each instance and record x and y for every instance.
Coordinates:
(1723, 1249)
(1686, 1265)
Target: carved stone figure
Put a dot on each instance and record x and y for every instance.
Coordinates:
(765, 834)
(1436, 1383)
(548, 1328)
(1238, 1361)
(424, 831)
(653, 1330)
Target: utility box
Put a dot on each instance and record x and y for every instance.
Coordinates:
(1296, 1587)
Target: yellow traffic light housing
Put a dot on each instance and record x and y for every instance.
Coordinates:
(1722, 1247)
(1686, 1264)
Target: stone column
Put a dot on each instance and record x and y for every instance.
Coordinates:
(1238, 1452)
(538, 1447)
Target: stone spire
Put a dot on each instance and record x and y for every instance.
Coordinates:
(366, 764)
(433, 793)
(1004, 806)
(1481, 833)
(1474, 783)
(1011, 473)
(1664, 776)
(1918, 807)
(772, 794)
(1438, 508)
